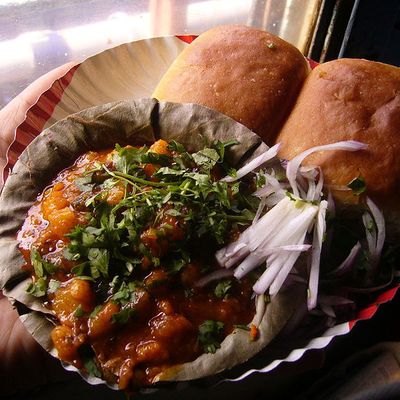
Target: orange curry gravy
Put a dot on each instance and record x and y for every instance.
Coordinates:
(158, 321)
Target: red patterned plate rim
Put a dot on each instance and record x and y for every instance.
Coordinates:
(42, 110)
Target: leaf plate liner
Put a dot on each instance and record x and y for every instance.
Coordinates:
(134, 122)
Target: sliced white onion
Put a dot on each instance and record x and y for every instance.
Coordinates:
(319, 232)
(257, 257)
(239, 249)
(320, 186)
(272, 185)
(328, 310)
(214, 276)
(268, 276)
(274, 199)
(309, 172)
(281, 227)
(294, 164)
(277, 238)
(253, 164)
(311, 190)
(331, 205)
(347, 263)
(260, 209)
(380, 225)
(284, 272)
(370, 232)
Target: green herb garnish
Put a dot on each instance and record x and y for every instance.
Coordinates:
(210, 335)
(223, 288)
(123, 316)
(78, 313)
(37, 288)
(357, 185)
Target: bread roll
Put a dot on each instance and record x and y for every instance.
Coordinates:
(350, 99)
(245, 73)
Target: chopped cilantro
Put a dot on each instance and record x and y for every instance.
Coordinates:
(210, 334)
(37, 288)
(87, 357)
(111, 245)
(155, 158)
(53, 285)
(84, 183)
(176, 147)
(124, 292)
(189, 293)
(40, 266)
(78, 313)
(95, 311)
(357, 185)
(223, 288)
(206, 158)
(221, 147)
(99, 260)
(124, 316)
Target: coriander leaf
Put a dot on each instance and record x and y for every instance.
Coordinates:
(357, 185)
(123, 294)
(127, 157)
(261, 180)
(164, 172)
(92, 368)
(210, 335)
(176, 146)
(53, 285)
(189, 293)
(95, 311)
(173, 212)
(85, 278)
(123, 316)
(84, 183)
(37, 263)
(223, 288)
(78, 313)
(200, 179)
(206, 158)
(87, 357)
(222, 146)
(40, 266)
(232, 172)
(155, 158)
(176, 265)
(38, 288)
(79, 270)
(98, 260)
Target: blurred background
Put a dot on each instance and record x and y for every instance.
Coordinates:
(39, 35)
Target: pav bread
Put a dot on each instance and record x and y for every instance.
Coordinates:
(248, 74)
(350, 99)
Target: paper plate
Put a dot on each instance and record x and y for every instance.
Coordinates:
(133, 70)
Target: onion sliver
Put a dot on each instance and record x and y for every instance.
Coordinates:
(253, 164)
(380, 225)
(319, 232)
(294, 164)
(347, 263)
(214, 276)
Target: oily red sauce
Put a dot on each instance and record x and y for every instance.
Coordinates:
(167, 309)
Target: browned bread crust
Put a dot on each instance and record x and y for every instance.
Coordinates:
(245, 73)
(350, 99)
